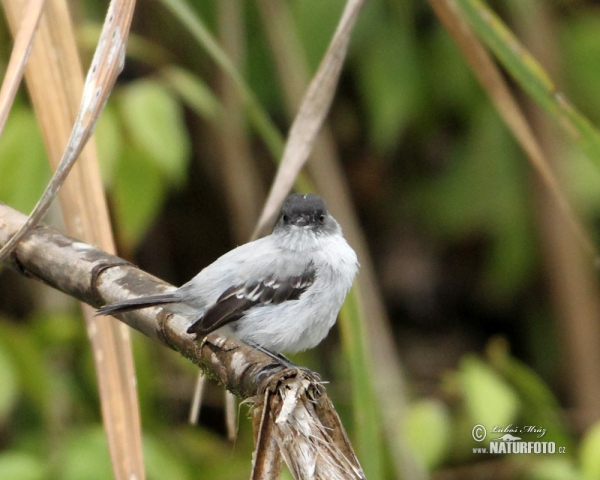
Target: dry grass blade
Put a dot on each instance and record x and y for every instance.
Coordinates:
(197, 399)
(492, 81)
(55, 67)
(18, 58)
(106, 65)
(311, 115)
(231, 416)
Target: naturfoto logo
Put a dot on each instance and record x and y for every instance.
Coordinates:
(509, 442)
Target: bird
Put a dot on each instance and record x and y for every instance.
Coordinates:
(280, 293)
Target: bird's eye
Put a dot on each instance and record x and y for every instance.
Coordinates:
(286, 219)
(321, 218)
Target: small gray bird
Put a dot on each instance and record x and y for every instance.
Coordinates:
(280, 293)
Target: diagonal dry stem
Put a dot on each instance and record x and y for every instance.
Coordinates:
(18, 57)
(310, 117)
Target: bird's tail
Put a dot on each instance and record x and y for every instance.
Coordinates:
(137, 303)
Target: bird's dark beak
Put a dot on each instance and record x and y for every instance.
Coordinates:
(301, 221)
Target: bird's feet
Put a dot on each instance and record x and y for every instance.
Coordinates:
(284, 363)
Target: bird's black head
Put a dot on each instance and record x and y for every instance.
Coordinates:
(304, 211)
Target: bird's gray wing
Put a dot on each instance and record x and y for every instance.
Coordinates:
(237, 300)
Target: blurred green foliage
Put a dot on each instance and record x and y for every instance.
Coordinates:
(422, 147)
(428, 431)
(24, 170)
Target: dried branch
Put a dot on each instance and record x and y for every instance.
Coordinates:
(299, 415)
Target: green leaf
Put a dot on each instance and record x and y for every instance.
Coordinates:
(139, 191)
(208, 452)
(155, 122)
(428, 430)
(34, 372)
(489, 400)
(55, 329)
(552, 469)
(581, 57)
(589, 453)
(367, 422)
(316, 21)
(109, 140)
(161, 462)
(86, 456)
(21, 466)
(453, 88)
(192, 90)
(584, 179)
(24, 169)
(257, 114)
